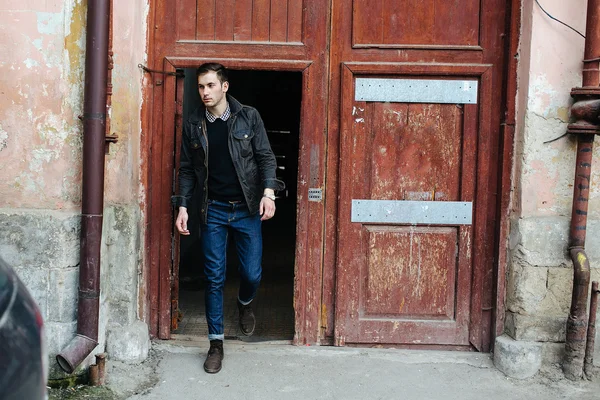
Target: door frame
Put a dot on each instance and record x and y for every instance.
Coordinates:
(506, 168)
(161, 256)
(167, 51)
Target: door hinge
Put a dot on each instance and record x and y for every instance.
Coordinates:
(157, 71)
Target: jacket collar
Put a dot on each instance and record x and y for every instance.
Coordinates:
(198, 114)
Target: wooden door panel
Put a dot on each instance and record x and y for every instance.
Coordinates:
(410, 272)
(415, 22)
(206, 14)
(224, 29)
(415, 151)
(277, 21)
(400, 283)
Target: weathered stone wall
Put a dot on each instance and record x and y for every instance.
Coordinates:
(540, 274)
(43, 248)
(41, 82)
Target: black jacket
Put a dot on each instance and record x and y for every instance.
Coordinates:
(250, 151)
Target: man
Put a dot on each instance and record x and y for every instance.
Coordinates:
(226, 152)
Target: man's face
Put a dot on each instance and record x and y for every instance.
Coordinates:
(212, 91)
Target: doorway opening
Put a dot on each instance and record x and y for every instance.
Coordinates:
(277, 96)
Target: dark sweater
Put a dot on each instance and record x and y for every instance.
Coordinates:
(223, 183)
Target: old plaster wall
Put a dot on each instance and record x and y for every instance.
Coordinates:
(41, 97)
(540, 275)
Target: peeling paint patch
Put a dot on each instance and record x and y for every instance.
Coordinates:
(41, 156)
(74, 44)
(49, 23)
(542, 96)
(37, 43)
(29, 63)
(563, 114)
(3, 139)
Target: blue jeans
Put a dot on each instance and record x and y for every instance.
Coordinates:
(223, 218)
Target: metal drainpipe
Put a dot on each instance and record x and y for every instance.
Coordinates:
(92, 202)
(585, 111)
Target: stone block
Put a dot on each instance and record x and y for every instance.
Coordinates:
(596, 277)
(544, 241)
(552, 353)
(536, 328)
(514, 238)
(120, 261)
(557, 301)
(122, 312)
(592, 240)
(597, 346)
(40, 239)
(63, 293)
(36, 282)
(526, 288)
(517, 359)
(128, 343)
(59, 334)
(120, 252)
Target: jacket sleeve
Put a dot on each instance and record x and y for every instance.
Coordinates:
(187, 178)
(267, 164)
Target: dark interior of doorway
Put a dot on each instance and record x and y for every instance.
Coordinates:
(277, 96)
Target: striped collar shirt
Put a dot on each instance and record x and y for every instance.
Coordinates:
(212, 118)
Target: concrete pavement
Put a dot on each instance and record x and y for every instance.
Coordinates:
(280, 371)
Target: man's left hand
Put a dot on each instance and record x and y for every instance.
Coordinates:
(266, 208)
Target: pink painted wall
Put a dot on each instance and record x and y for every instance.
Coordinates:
(41, 75)
(40, 81)
(554, 57)
(129, 46)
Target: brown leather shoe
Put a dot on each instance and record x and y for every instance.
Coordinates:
(215, 355)
(247, 319)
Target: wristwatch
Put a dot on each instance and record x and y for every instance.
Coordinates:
(269, 196)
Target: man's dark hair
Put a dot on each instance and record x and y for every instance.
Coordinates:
(221, 71)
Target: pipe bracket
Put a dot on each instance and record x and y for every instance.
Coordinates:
(585, 111)
(110, 139)
(94, 116)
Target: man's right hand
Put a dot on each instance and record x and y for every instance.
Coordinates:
(181, 222)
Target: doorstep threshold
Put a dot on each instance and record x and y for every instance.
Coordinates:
(201, 340)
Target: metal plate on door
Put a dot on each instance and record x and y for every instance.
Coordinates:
(412, 212)
(416, 90)
(315, 194)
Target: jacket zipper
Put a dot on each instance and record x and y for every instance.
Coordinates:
(205, 211)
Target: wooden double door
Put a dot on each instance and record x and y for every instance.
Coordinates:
(401, 108)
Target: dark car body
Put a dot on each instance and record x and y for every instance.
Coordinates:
(23, 358)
